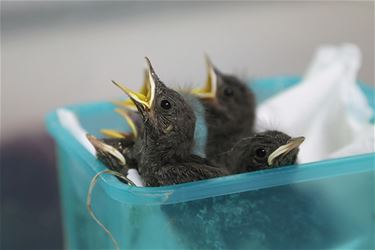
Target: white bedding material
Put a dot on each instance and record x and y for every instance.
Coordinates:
(327, 107)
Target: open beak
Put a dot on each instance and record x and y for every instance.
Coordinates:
(129, 120)
(144, 99)
(111, 133)
(122, 135)
(284, 149)
(210, 88)
(144, 91)
(105, 148)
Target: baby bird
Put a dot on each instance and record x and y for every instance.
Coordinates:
(168, 136)
(109, 152)
(120, 146)
(229, 111)
(245, 219)
(269, 149)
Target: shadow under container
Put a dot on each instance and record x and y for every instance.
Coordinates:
(320, 205)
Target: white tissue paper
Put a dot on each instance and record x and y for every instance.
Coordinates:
(327, 107)
(71, 123)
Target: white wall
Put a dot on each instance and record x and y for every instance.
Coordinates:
(55, 53)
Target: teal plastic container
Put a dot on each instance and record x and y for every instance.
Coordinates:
(326, 204)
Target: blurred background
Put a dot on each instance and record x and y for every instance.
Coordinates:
(58, 53)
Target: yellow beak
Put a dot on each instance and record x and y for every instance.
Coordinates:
(129, 120)
(284, 149)
(145, 99)
(111, 133)
(210, 88)
(144, 91)
(101, 146)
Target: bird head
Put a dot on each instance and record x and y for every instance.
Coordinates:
(227, 99)
(269, 149)
(167, 118)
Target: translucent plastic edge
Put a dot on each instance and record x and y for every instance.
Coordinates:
(205, 188)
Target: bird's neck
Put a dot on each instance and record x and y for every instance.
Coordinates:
(219, 143)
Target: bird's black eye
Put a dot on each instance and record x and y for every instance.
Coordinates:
(165, 104)
(228, 91)
(260, 152)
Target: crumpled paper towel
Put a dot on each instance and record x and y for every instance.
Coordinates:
(327, 107)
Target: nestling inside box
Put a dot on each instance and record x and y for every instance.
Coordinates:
(343, 128)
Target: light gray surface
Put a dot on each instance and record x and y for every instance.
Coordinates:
(53, 54)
